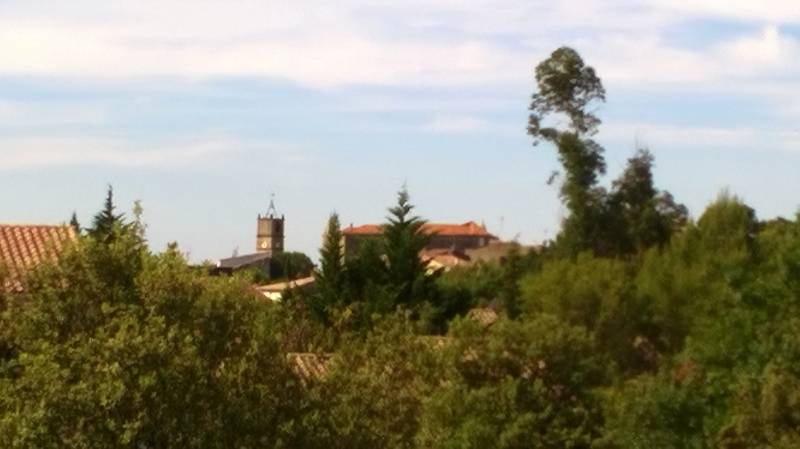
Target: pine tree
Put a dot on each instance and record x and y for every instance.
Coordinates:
(330, 276)
(106, 221)
(73, 222)
(404, 239)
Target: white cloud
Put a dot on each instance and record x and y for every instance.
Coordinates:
(766, 51)
(663, 137)
(418, 42)
(746, 62)
(775, 11)
(34, 153)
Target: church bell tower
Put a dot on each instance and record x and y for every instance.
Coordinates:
(269, 235)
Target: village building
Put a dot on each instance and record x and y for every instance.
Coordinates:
(452, 238)
(269, 243)
(276, 290)
(450, 245)
(24, 247)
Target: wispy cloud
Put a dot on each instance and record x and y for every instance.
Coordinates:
(776, 11)
(664, 137)
(649, 61)
(35, 153)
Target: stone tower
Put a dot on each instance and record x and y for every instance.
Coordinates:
(269, 236)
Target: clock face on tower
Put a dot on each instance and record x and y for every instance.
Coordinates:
(263, 244)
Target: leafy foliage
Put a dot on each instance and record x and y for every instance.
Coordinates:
(291, 265)
(567, 86)
(634, 216)
(521, 384)
(111, 344)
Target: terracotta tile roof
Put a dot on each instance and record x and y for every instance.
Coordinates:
(483, 316)
(278, 287)
(469, 228)
(443, 258)
(22, 247)
(276, 290)
(308, 366)
(367, 229)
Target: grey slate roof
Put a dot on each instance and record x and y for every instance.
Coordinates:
(242, 261)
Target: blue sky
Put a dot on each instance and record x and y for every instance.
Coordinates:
(202, 109)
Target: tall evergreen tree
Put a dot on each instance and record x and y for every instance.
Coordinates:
(105, 221)
(330, 276)
(404, 239)
(73, 222)
(649, 216)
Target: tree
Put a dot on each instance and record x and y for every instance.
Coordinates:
(404, 239)
(372, 394)
(292, 265)
(517, 385)
(566, 86)
(766, 408)
(73, 222)
(106, 222)
(649, 216)
(655, 412)
(331, 276)
(114, 359)
(594, 293)
(368, 290)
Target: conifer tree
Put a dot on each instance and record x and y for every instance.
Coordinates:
(105, 221)
(73, 222)
(404, 239)
(330, 276)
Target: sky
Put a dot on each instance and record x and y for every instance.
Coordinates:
(204, 109)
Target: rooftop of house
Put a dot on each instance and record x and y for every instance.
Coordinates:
(443, 258)
(469, 228)
(237, 262)
(310, 367)
(278, 287)
(23, 247)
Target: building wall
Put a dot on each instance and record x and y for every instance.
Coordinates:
(270, 234)
(459, 243)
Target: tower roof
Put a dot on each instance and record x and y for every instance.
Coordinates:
(272, 212)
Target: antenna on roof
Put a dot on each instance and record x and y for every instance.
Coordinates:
(271, 211)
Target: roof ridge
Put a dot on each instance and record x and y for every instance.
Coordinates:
(34, 225)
